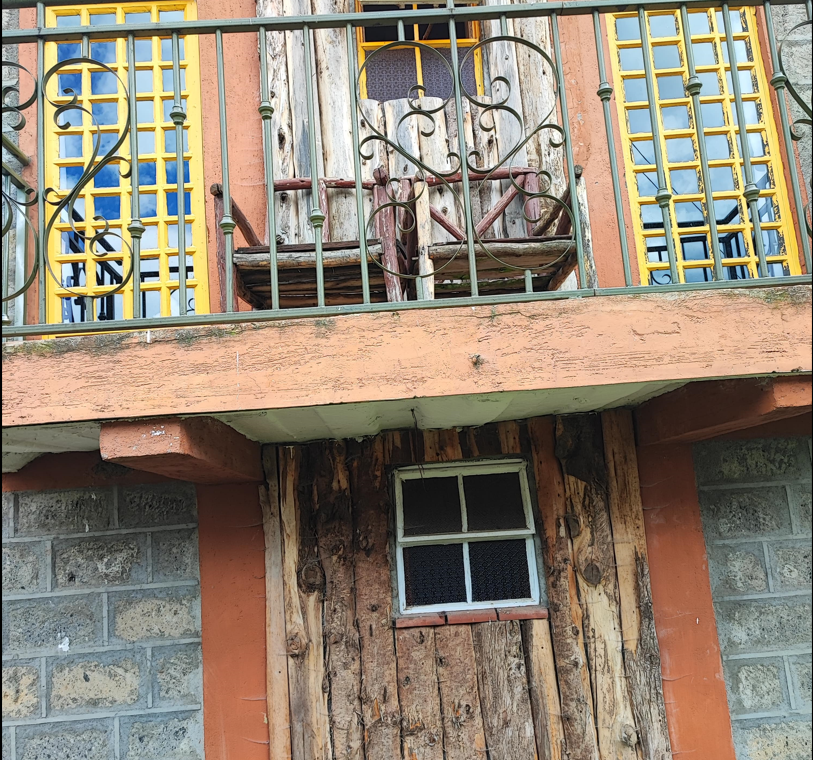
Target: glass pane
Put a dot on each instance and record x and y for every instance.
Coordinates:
(639, 121)
(170, 143)
(170, 16)
(166, 49)
(434, 575)
(105, 113)
(168, 104)
(684, 181)
(69, 176)
(74, 310)
(772, 243)
(710, 83)
(698, 274)
(722, 178)
(99, 19)
(704, 54)
(172, 172)
(150, 270)
(190, 302)
(147, 204)
(149, 240)
(173, 267)
(150, 302)
(627, 28)
(666, 56)
(717, 146)
(663, 277)
(736, 22)
(635, 90)
(108, 272)
(143, 49)
(670, 87)
(631, 59)
(712, 115)
(145, 113)
(168, 80)
(494, 502)
(73, 275)
(675, 117)
(656, 250)
(144, 80)
(736, 273)
(652, 217)
(647, 184)
(103, 83)
(108, 176)
(68, 50)
(104, 52)
(751, 111)
(499, 570)
(172, 235)
(172, 204)
(732, 245)
(778, 270)
(762, 176)
(78, 211)
(69, 84)
(699, 23)
(643, 152)
(756, 144)
(146, 173)
(137, 18)
(746, 81)
(110, 307)
(108, 207)
(741, 51)
(68, 21)
(70, 146)
(71, 242)
(430, 505)
(146, 142)
(663, 26)
(766, 210)
(106, 141)
(689, 214)
(727, 211)
(694, 247)
(680, 149)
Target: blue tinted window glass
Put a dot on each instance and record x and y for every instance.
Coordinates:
(72, 82)
(103, 83)
(675, 117)
(652, 217)
(662, 26)
(68, 21)
(689, 214)
(713, 115)
(150, 271)
(679, 149)
(639, 121)
(684, 181)
(670, 87)
(172, 172)
(106, 142)
(146, 172)
(704, 53)
(102, 19)
(647, 184)
(105, 113)
(710, 83)
(149, 240)
(170, 16)
(694, 248)
(627, 29)
(70, 146)
(146, 142)
(741, 51)
(145, 112)
(107, 206)
(666, 56)
(69, 176)
(168, 82)
(172, 235)
(73, 275)
(68, 50)
(643, 152)
(635, 90)
(143, 49)
(72, 243)
(727, 211)
(722, 178)
(190, 302)
(148, 204)
(170, 143)
(166, 50)
(108, 176)
(168, 105)
(137, 18)
(717, 146)
(699, 23)
(698, 274)
(631, 59)
(104, 52)
(144, 80)
(172, 204)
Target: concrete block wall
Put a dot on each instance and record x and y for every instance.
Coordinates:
(101, 624)
(755, 501)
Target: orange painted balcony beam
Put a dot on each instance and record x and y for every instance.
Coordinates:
(198, 449)
(703, 410)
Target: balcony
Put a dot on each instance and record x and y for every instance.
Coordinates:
(159, 172)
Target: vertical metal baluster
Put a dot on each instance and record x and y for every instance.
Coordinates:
(20, 259)
(605, 92)
(461, 141)
(41, 167)
(352, 65)
(266, 112)
(85, 52)
(135, 228)
(663, 196)
(778, 81)
(401, 33)
(227, 223)
(10, 208)
(571, 166)
(751, 191)
(693, 88)
(317, 214)
(178, 116)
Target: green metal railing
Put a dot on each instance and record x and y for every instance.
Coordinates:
(392, 204)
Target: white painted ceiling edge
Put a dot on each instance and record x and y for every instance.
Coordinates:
(22, 445)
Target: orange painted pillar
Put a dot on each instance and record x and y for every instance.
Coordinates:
(232, 588)
(693, 683)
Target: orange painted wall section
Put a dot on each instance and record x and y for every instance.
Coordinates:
(693, 683)
(233, 622)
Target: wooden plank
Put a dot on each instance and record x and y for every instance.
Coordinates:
(373, 597)
(303, 587)
(389, 253)
(642, 659)
(276, 679)
(402, 133)
(334, 531)
(503, 688)
(260, 258)
(426, 284)
(580, 450)
(578, 726)
(586, 233)
(485, 145)
(455, 233)
(543, 690)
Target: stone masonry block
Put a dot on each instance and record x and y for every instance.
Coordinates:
(155, 614)
(763, 626)
(177, 675)
(175, 555)
(47, 623)
(165, 504)
(801, 502)
(800, 668)
(738, 569)
(6, 744)
(24, 568)
(21, 690)
(777, 740)
(8, 514)
(96, 562)
(791, 564)
(44, 513)
(751, 461)
(756, 686)
(99, 681)
(179, 737)
(745, 513)
(86, 740)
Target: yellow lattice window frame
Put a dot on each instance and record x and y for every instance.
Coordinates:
(468, 34)
(678, 145)
(80, 270)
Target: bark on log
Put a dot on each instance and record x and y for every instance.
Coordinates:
(580, 449)
(304, 588)
(565, 613)
(503, 688)
(642, 660)
(276, 679)
(373, 595)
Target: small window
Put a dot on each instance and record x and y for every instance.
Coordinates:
(465, 537)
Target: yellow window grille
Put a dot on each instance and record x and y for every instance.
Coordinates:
(678, 145)
(84, 275)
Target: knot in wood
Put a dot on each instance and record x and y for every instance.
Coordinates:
(574, 524)
(431, 738)
(337, 550)
(406, 681)
(295, 645)
(373, 608)
(364, 543)
(629, 735)
(312, 577)
(592, 573)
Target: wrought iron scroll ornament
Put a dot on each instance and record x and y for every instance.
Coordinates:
(489, 109)
(806, 119)
(63, 113)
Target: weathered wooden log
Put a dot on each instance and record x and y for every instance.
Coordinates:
(523, 254)
(505, 201)
(542, 686)
(260, 259)
(531, 205)
(373, 597)
(447, 224)
(276, 679)
(386, 230)
(425, 285)
(580, 450)
(642, 660)
(243, 224)
(565, 612)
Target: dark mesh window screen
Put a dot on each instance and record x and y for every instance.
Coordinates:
(494, 502)
(391, 74)
(431, 506)
(499, 570)
(434, 574)
(436, 76)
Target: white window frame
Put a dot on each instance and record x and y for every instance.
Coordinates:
(459, 470)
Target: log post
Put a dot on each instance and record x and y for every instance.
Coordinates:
(426, 283)
(389, 254)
